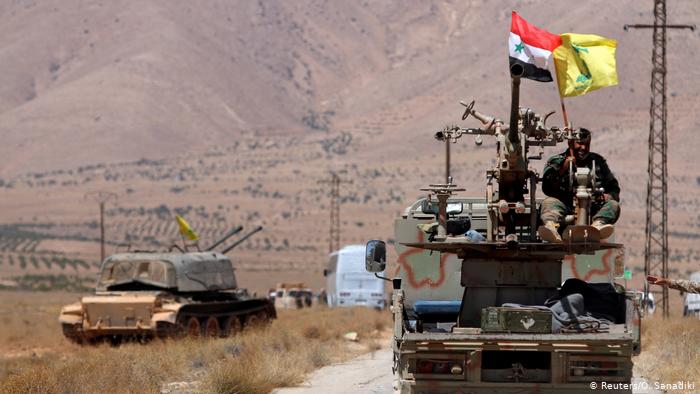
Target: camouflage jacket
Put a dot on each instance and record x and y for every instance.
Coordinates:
(684, 285)
(556, 185)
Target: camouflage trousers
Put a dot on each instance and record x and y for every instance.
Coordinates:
(554, 210)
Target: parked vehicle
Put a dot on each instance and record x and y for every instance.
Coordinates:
(691, 301)
(293, 296)
(349, 284)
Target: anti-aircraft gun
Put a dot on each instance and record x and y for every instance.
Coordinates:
(492, 313)
(144, 295)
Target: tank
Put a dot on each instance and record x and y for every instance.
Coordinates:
(481, 303)
(146, 295)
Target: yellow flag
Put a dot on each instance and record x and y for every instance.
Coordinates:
(185, 229)
(584, 62)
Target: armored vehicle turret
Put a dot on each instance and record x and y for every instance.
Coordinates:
(144, 295)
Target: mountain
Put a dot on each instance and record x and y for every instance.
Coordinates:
(236, 109)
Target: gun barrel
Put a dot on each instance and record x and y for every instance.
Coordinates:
(225, 237)
(484, 119)
(233, 245)
(516, 71)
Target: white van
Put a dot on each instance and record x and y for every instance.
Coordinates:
(349, 284)
(691, 301)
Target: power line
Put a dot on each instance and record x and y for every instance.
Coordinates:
(334, 231)
(656, 245)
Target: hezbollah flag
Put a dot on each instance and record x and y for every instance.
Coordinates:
(185, 229)
(531, 47)
(584, 62)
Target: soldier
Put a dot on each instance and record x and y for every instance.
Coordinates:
(560, 200)
(678, 284)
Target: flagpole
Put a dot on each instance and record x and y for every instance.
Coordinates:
(567, 126)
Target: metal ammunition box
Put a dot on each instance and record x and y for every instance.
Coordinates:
(516, 320)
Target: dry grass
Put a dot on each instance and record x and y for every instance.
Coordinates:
(252, 362)
(669, 350)
(284, 354)
(25, 315)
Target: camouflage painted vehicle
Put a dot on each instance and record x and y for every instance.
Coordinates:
(146, 295)
(473, 278)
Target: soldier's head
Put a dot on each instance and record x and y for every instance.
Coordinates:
(581, 146)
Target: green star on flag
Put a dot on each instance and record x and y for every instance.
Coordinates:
(519, 47)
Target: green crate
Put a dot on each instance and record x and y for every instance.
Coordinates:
(516, 320)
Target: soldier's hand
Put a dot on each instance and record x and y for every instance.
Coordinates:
(566, 164)
(568, 160)
(656, 280)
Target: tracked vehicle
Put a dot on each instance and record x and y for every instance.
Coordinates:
(146, 295)
(481, 304)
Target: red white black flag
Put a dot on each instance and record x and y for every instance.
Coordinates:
(531, 47)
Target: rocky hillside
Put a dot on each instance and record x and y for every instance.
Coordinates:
(230, 112)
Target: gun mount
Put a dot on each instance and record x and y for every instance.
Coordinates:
(243, 238)
(512, 218)
(225, 237)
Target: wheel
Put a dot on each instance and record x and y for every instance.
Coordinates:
(256, 320)
(263, 317)
(232, 326)
(211, 328)
(189, 326)
(251, 321)
(165, 330)
(72, 333)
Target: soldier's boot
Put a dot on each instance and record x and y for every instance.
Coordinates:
(605, 229)
(550, 232)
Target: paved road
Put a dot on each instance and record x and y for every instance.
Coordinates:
(371, 373)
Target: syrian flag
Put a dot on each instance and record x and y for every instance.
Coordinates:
(531, 47)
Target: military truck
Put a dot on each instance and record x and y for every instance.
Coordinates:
(478, 301)
(146, 295)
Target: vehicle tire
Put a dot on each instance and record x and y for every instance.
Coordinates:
(189, 326)
(165, 330)
(263, 317)
(260, 319)
(232, 326)
(212, 328)
(253, 320)
(72, 333)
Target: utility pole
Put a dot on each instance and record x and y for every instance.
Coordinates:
(656, 246)
(334, 232)
(101, 197)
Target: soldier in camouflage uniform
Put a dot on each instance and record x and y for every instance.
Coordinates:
(678, 284)
(560, 200)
